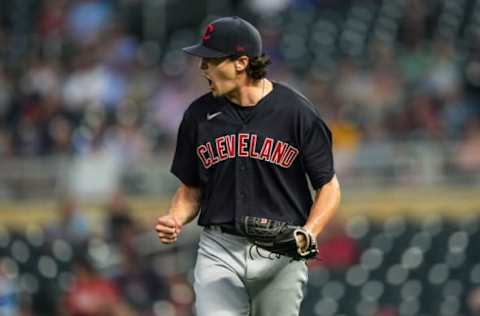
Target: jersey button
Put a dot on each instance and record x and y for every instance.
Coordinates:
(243, 167)
(243, 195)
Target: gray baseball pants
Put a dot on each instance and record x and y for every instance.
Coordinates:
(235, 278)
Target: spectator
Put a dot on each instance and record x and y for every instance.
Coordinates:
(6, 92)
(468, 159)
(118, 218)
(9, 303)
(473, 301)
(337, 251)
(92, 295)
(71, 224)
(138, 284)
(86, 20)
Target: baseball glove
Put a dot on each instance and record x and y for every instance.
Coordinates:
(279, 237)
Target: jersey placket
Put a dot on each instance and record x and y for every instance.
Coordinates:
(243, 181)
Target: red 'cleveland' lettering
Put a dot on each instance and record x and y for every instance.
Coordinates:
(220, 143)
(210, 152)
(230, 140)
(246, 145)
(201, 150)
(266, 149)
(253, 144)
(290, 156)
(242, 145)
(278, 152)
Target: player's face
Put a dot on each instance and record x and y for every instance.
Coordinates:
(220, 74)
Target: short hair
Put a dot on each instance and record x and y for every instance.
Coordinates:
(257, 66)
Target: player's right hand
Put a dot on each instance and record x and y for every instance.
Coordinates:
(168, 228)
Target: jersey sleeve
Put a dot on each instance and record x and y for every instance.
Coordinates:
(317, 152)
(184, 165)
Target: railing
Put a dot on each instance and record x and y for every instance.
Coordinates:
(94, 176)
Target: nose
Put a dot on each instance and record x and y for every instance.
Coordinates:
(203, 64)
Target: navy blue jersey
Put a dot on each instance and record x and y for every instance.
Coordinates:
(255, 160)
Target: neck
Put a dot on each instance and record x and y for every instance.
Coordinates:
(249, 92)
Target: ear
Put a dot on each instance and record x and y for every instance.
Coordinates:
(241, 63)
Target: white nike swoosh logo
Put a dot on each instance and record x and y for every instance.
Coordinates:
(211, 116)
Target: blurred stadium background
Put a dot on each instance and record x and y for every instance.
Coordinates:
(91, 94)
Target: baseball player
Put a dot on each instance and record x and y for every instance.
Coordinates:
(244, 155)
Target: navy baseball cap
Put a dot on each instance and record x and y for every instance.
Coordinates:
(228, 36)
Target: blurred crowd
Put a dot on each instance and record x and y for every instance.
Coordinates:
(399, 266)
(79, 76)
(69, 267)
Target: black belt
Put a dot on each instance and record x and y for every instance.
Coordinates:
(225, 228)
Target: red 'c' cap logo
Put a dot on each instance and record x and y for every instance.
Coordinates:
(208, 32)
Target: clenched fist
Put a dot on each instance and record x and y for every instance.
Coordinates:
(168, 228)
